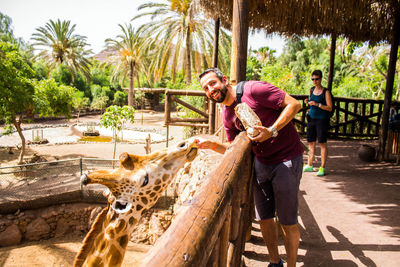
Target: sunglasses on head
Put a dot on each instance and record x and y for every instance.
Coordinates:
(315, 79)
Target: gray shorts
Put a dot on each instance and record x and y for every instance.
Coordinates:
(276, 188)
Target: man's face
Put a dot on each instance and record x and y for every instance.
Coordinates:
(214, 87)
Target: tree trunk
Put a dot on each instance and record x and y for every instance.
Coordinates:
(188, 69)
(17, 124)
(173, 67)
(331, 61)
(131, 93)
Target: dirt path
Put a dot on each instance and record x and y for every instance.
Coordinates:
(59, 252)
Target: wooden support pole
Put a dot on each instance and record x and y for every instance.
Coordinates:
(389, 86)
(211, 116)
(240, 35)
(212, 104)
(216, 43)
(167, 115)
(331, 61)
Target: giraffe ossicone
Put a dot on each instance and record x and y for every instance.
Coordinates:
(132, 189)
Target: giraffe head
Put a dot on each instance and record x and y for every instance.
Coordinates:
(140, 180)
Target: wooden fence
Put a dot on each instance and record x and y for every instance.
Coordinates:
(353, 117)
(211, 228)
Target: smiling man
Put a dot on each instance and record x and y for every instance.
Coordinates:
(278, 150)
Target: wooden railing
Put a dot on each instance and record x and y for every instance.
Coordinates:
(211, 229)
(354, 117)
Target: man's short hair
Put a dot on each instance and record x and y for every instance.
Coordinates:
(217, 71)
(317, 73)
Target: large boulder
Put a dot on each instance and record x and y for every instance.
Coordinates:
(10, 236)
(37, 229)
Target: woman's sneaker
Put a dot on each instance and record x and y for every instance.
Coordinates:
(321, 171)
(308, 168)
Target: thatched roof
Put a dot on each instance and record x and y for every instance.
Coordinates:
(358, 20)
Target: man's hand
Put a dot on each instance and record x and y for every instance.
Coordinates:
(264, 134)
(204, 143)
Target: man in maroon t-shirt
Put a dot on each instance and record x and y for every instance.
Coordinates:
(278, 150)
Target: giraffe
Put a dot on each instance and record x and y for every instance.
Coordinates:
(131, 189)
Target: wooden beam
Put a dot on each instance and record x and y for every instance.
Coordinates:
(332, 61)
(212, 104)
(216, 43)
(240, 35)
(389, 86)
(177, 100)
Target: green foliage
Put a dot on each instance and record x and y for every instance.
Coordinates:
(97, 91)
(120, 98)
(99, 102)
(81, 83)
(41, 70)
(100, 76)
(195, 101)
(79, 101)
(15, 82)
(61, 74)
(6, 31)
(115, 117)
(280, 77)
(52, 99)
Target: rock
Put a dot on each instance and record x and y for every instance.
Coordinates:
(37, 230)
(10, 236)
(155, 229)
(62, 228)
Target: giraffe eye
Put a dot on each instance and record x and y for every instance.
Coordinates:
(182, 145)
(146, 180)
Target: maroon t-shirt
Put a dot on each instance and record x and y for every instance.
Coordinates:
(265, 100)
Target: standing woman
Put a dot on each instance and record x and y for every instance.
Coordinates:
(320, 101)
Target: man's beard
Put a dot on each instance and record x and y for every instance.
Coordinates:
(222, 94)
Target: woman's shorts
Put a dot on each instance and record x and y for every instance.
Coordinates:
(276, 189)
(317, 128)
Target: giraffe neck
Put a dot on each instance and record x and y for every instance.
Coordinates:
(110, 242)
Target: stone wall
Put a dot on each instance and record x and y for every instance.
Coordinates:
(44, 223)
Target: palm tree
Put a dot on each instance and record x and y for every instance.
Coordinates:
(265, 54)
(59, 45)
(129, 55)
(181, 34)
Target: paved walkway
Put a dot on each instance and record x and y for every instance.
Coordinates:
(350, 217)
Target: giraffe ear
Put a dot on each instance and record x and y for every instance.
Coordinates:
(127, 161)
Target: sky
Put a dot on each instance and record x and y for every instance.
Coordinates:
(95, 19)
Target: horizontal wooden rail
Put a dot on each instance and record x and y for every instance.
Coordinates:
(353, 118)
(204, 224)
